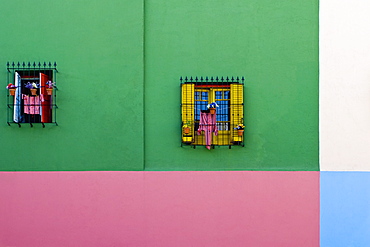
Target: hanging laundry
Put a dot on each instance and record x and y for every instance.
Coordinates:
(207, 124)
(32, 104)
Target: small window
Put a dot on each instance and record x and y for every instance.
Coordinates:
(32, 91)
(203, 126)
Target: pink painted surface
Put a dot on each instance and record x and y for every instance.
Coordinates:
(245, 208)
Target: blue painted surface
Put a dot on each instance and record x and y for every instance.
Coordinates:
(345, 209)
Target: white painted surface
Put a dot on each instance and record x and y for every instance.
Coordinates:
(345, 85)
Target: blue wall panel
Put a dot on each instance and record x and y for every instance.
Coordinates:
(345, 209)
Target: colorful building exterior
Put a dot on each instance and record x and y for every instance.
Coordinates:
(113, 170)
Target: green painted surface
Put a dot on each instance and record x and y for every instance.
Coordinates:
(98, 46)
(274, 44)
(101, 53)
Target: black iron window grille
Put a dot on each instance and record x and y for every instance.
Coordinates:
(212, 111)
(31, 95)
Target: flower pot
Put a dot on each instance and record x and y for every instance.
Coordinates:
(240, 132)
(12, 91)
(33, 91)
(186, 130)
(49, 91)
(212, 110)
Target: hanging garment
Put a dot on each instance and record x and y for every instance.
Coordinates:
(17, 99)
(207, 124)
(32, 103)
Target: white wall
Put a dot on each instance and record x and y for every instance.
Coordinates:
(345, 85)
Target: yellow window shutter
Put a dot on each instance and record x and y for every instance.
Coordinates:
(236, 110)
(187, 111)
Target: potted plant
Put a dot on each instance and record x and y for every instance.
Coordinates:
(32, 87)
(240, 129)
(11, 89)
(186, 127)
(49, 87)
(212, 107)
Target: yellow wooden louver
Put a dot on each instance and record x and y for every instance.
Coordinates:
(187, 110)
(236, 110)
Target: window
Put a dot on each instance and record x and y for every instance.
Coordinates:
(199, 126)
(221, 97)
(33, 100)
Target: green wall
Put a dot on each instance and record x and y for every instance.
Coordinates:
(98, 46)
(119, 89)
(274, 44)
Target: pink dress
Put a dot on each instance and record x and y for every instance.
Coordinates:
(207, 124)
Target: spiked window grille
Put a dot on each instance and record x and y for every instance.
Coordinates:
(25, 106)
(199, 125)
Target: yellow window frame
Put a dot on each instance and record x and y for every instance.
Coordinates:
(235, 115)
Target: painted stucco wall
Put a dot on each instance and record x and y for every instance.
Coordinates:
(344, 86)
(159, 209)
(102, 49)
(344, 209)
(344, 123)
(274, 44)
(119, 97)
(99, 50)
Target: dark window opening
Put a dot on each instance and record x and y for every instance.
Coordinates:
(34, 98)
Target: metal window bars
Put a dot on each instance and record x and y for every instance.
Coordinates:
(25, 107)
(200, 126)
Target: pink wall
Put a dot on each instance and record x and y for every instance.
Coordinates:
(159, 209)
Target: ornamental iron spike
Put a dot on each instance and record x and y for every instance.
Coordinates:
(227, 78)
(232, 78)
(13, 64)
(201, 78)
(39, 64)
(211, 78)
(18, 64)
(49, 64)
(44, 64)
(191, 79)
(217, 78)
(7, 64)
(222, 78)
(34, 64)
(196, 78)
(237, 78)
(23, 64)
(186, 79)
(206, 78)
(242, 78)
(29, 64)
(180, 78)
(55, 64)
